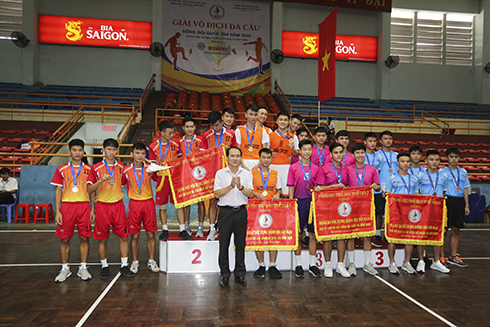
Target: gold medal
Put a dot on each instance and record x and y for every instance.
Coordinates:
(434, 194)
(250, 148)
(264, 193)
(390, 170)
(139, 191)
(458, 189)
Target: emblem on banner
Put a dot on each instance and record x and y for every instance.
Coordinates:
(74, 30)
(414, 216)
(344, 209)
(199, 173)
(265, 221)
(310, 43)
(217, 12)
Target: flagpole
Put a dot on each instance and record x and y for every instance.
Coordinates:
(318, 113)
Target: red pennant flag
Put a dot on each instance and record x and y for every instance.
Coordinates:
(326, 57)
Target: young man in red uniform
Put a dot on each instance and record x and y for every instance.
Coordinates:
(228, 116)
(141, 206)
(71, 189)
(106, 178)
(267, 186)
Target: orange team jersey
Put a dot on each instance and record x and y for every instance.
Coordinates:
(196, 145)
(280, 146)
(267, 129)
(63, 177)
(271, 186)
(160, 158)
(256, 142)
(132, 184)
(210, 137)
(106, 192)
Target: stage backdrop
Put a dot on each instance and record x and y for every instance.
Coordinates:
(216, 46)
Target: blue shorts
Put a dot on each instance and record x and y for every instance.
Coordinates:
(304, 215)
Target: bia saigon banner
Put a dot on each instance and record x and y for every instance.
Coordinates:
(216, 46)
(272, 225)
(415, 219)
(344, 213)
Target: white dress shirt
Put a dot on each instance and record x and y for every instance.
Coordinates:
(9, 185)
(235, 197)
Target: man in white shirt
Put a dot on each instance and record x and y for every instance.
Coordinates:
(8, 187)
(233, 186)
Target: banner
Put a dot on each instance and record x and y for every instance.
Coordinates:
(326, 57)
(272, 226)
(344, 213)
(415, 219)
(216, 46)
(192, 177)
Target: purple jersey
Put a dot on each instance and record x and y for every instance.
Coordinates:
(320, 156)
(348, 159)
(356, 175)
(329, 175)
(297, 179)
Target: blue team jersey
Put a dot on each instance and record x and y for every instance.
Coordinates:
(382, 162)
(416, 171)
(370, 159)
(398, 184)
(428, 181)
(454, 179)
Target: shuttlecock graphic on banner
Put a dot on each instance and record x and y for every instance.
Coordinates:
(217, 50)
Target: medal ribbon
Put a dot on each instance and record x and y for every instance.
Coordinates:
(305, 175)
(367, 158)
(361, 181)
(166, 149)
(322, 154)
(337, 176)
(434, 186)
(187, 152)
(386, 157)
(216, 141)
(343, 159)
(139, 181)
(73, 173)
(248, 135)
(108, 170)
(409, 182)
(285, 136)
(411, 170)
(266, 183)
(456, 183)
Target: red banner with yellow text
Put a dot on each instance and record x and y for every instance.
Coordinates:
(272, 226)
(192, 177)
(415, 219)
(344, 213)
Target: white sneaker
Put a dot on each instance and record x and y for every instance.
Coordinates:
(63, 275)
(407, 267)
(188, 230)
(134, 267)
(352, 269)
(153, 266)
(421, 266)
(369, 268)
(439, 267)
(342, 271)
(84, 274)
(393, 268)
(328, 272)
(212, 234)
(199, 233)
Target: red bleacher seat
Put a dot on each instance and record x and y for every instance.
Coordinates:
(485, 178)
(10, 131)
(177, 134)
(473, 178)
(15, 139)
(7, 148)
(41, 132)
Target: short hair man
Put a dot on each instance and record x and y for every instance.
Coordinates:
(228, 116)
(343, 138)
(8, 187)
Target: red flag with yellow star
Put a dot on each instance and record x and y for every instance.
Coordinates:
(326, 57)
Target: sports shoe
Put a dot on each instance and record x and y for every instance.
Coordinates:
(105, 273)
(393, 268)
(63, 275)
(420, 267)
(188, 230)
(315, 271)
(153, 266)
(407, 267)
(126, 272)
(199, 233)
(369, 268)
(299, 272)
(274, 272)
(134, 267)
(84, 274)
(443, 261)
(457, 261)
(352, 269)
(342, 271)
(260, 273)
(185, 236)
(328, 272)
(439, 267)
(163, 236)
(212, 234)
(377, 241)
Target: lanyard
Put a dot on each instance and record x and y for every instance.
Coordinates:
(139, 181)
(434, 186)
(188, 151)
(217, 141)
(456, 183)
(79, 170)
(345, 156)
(167, 145)
(108, 170)
(285, 136)
(250, 140)
(361, 180)
(367, 158)
(265, 183)
(337, 176)
(305, 174)
(320, 156)
(409, 182)
(386, 157)
(411, 170)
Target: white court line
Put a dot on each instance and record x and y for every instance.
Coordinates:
(99, 299)
(50, 264)
(447, 322)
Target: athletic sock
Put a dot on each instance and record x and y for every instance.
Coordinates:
(262, 264)
(150, 261)
(136, 262)
(181, 227)
(307, 234)
(64, 266)
(104, 263)
(328, 263)
(350, 255)
(272, 264)
(367, 257)
(312, 260)
(211, 226)
(83, 265)
(201, 225)
(378, 232)
(297, 259)
(164, 227)
(124, 262)
(341, 264)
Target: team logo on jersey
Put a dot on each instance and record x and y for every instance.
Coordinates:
(74, 30)
(216, 12)
(199, 173)
(265, 221)
(414, 216)
(344, 209)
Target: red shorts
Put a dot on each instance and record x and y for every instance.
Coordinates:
(142, 211)
(164, 193)
(107, 214)
(74, 213)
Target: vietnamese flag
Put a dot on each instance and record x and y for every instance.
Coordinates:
(326, 57)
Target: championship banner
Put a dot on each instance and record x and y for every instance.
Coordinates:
(344, 213)
(216, 46)
(272, 225)
(192, 177)
(415, 219)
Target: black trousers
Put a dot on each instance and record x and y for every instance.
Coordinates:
(230, 221)
(6, 198)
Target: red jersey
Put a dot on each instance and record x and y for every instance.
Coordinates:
(107, 192)
(63, 176)
(211, 139)
(187, 147)
(160, 154)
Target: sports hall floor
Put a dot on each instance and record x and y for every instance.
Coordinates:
(29, 261)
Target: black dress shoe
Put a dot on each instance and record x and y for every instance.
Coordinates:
(241, 280)
(223, 281)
